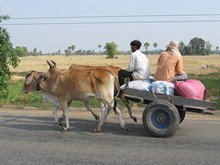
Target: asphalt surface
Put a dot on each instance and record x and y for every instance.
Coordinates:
(31, 137)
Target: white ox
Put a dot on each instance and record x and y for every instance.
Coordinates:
(60, 87)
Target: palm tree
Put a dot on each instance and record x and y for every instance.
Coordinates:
(67, 52)
(155, 45)
(71, 48)
(35, 51)
(99, 46)
(146, 45)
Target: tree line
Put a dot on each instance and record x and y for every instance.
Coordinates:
(196, 46)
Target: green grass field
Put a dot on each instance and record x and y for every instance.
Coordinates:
(36, 100)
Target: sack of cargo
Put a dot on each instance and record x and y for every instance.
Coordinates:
(162, 87)
(138, 84)
(191, 88)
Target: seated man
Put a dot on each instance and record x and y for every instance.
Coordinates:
(138, 67)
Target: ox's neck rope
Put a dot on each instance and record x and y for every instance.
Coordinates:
(39, 81)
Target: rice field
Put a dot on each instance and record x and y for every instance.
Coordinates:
(192, 64)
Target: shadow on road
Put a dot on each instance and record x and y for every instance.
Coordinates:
(31, 123)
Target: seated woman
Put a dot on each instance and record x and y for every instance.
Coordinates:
(170, 64)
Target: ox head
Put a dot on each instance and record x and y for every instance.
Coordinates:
(32, 81)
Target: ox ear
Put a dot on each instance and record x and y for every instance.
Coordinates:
(29, 79)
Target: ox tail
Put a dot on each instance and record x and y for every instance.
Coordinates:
(116, 90)
(116, 85)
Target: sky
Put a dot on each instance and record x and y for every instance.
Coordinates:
(87, 35)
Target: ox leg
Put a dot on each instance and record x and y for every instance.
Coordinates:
(54, 111)
(126, 102)
(104, 113)
(62, 118)
(121, 121)
(66, 115)
(88, 107)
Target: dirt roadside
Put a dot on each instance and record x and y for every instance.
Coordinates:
(83, 112)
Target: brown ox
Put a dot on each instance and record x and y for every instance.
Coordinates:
(60, 87)
(113, 69)
(110, 68)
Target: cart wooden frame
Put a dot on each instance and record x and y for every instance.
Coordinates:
(164, 113)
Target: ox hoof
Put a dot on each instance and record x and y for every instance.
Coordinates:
(61, 119)
(64, 130)
(97, 117)
(126, 129)
(61, 122)
(95, 131)
(135, 119)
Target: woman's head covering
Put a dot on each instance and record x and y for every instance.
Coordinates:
(173, 44)
(173, 48)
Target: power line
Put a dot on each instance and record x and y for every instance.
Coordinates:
(112, 22)
(119, 16)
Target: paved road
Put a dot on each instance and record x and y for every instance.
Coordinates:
(30, 137)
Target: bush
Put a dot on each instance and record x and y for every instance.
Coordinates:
(7, 57)
(111, 49)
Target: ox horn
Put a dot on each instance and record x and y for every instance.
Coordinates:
(51, 63)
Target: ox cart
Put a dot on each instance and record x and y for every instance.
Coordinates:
(164, 113)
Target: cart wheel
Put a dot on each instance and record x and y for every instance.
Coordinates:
(182, 114)
(161, 118)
